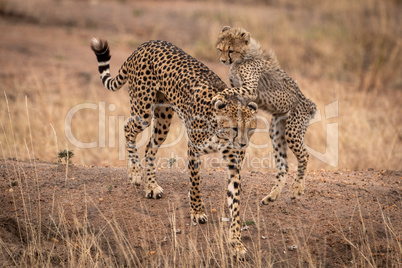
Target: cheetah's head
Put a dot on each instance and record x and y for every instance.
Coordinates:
(233, 45)
(236, 121)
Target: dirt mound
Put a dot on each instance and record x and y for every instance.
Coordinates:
(52, 216)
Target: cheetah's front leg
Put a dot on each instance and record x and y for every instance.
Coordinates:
(197, 206)
(234, 159)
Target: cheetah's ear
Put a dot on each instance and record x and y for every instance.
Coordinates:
(253, 106)
(226, 28)
(246, 37)
(219, 105)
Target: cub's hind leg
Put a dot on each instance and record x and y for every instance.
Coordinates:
(295, 130)
(162, 114)
(277, 135)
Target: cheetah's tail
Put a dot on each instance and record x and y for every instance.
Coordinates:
(101, 49)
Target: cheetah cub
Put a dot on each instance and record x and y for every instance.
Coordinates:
(257, 76)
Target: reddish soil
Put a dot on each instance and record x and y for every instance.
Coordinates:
(336, 207)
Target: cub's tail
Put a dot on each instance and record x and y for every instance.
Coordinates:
(102, 52)
(312, 108)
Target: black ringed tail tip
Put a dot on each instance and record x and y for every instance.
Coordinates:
(99, 46)
(101, 49)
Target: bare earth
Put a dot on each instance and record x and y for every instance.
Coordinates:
(335, 209)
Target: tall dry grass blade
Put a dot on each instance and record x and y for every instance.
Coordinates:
(7, 143)
(17, 174)
(368, 259)
(55, 137)
(11, 126)
(36, 170)
(67, 164)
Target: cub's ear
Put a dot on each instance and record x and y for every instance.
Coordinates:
(219, 105)
(253, 106)
(226, 28)
(246, 37)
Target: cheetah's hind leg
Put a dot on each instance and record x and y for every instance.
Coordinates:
(140, 119)
(131, 130)
(163, 115)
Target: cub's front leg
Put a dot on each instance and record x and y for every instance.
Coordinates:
(234, 160)
(197, 206)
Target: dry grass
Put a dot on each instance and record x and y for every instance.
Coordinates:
(343, 51)
(71, 240)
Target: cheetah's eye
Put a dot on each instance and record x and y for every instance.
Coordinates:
(231, 51)
(220, 50)
(251, 129)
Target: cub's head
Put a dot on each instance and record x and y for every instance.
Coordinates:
(236, 121)
(233, 45)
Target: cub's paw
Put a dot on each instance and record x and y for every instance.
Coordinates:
(198, 216)
(219, 101)
(296, 190)
(154, 192)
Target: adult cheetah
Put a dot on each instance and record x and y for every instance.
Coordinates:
(257, 76)
(163, 79)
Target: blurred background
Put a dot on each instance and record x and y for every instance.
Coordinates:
(345, 56)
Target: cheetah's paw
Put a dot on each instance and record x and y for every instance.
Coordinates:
(273, 196)
(239, 250)
(297, 190)
(134, 174)
(155, 193)
(198, 216)
(135, 178)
